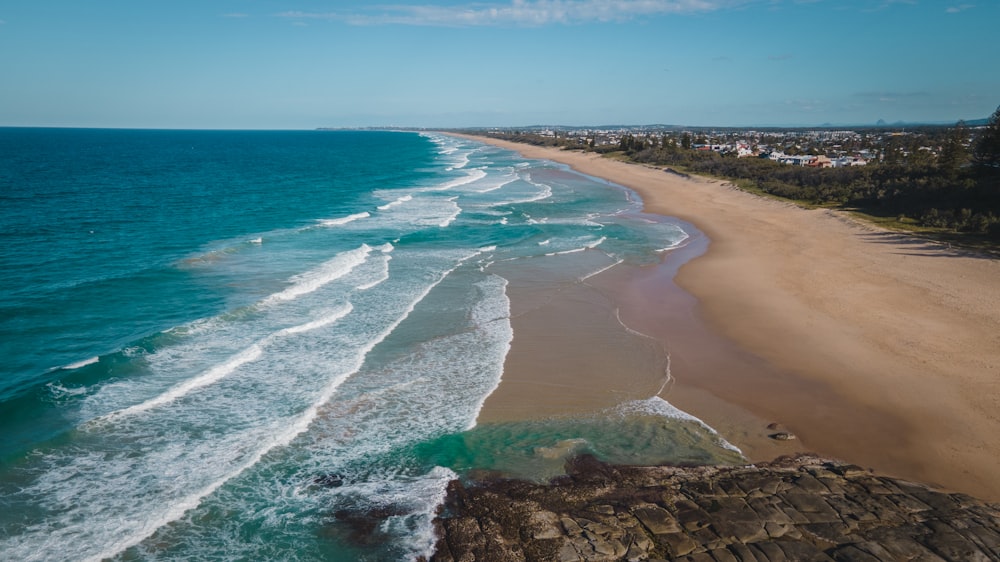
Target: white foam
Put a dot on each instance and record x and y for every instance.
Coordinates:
(334, 269)
(218, 372)
(659, 407)
(179, 508)
(345, 220)
(493, 308)
(454, 215)
(382, 277)
(461, 163)
(60, 391)
(323, 322)
(470, 176)
(504, 181)
(601, 270)
(584, 248)
(80, 364)
(397, 202)
(544, 192)
(213, 375)
(434, 487)
(680, 243)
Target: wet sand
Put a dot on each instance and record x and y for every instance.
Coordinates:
(877, 348)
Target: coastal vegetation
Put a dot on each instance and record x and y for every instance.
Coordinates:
(939, 180)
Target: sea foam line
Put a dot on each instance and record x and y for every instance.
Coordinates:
(345, 220)
(451, 219)
(395, 203)
(221, 371)
(660, 407)
(585, 247)
(464, 162)
(602, 270)
(337, 267)
(502, 301)
(470, 176)
(685, 237)
(544, 192)
(668, 375)
(79, 364)
(506, 181)
(383, 276)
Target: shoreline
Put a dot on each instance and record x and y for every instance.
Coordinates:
(873, 347)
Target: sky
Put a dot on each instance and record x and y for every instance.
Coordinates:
(303, 64)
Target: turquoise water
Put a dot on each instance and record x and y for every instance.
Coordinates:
(229, 345)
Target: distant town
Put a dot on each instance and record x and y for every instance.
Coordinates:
(941, 180)
(819, 148)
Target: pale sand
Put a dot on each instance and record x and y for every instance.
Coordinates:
(873, 347)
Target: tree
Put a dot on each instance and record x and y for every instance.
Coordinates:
(892, 152)
(986, 152)
(686, 141)
(953, 153)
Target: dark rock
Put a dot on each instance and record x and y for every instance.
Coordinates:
(329, 480)
(657, 520)
(362, 523)
(782, 436)
(678, 544)
(794, 508)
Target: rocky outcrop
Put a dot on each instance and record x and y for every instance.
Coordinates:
(797, 509)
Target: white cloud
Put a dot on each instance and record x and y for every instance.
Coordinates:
(959, 8)
(890, 97)
(528, 13)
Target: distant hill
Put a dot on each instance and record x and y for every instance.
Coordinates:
(880, 124)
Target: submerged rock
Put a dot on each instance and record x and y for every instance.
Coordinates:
(801, 508)
(782, 436)
(331, 480)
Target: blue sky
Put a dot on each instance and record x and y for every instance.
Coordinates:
(297, 64)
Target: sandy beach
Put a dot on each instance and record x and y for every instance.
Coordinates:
(877, 348)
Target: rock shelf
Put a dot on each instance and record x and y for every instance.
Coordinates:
(794, 508)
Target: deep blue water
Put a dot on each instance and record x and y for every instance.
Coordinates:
(199, 328)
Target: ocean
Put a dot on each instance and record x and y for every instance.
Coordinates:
(250, 345)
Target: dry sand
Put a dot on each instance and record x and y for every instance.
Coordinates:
(874, 347)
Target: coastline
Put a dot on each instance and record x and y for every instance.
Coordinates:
(873, 347)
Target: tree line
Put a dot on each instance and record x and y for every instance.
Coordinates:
(955, 187)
